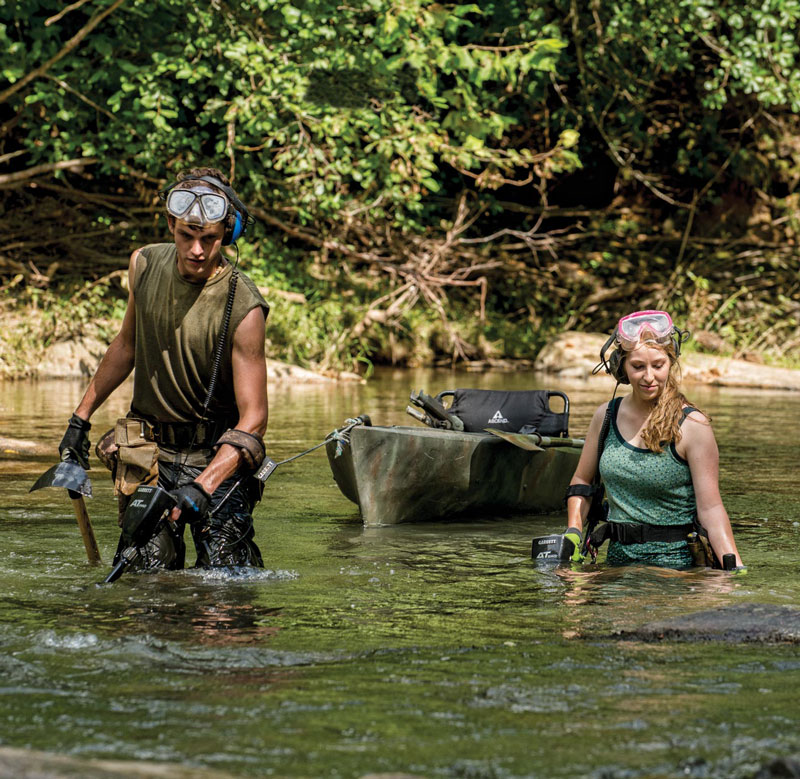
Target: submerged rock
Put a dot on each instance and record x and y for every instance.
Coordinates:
(782, 767)
(16, 448)
(740, 623)
(31, 764)
(282, 372)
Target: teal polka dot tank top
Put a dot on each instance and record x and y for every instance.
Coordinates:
(643, 487)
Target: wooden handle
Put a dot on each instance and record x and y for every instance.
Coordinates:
(87, 532)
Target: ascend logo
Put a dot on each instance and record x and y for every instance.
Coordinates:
(498, 419)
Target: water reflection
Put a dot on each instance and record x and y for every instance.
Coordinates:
(220, 616)
(439, 647)
(609, 599)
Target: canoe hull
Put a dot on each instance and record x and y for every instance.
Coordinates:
(412, 474)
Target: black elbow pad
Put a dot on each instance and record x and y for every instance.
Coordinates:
(582, 490)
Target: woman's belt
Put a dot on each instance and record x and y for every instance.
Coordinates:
(634, 533)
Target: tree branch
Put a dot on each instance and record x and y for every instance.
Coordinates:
(64, 11)
(4, 158)
(50, 167)
(71, 44)
(65, 86)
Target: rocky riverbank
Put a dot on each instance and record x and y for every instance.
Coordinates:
(80, 357)
(574, 355)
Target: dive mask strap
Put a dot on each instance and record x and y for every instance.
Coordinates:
(244, 215)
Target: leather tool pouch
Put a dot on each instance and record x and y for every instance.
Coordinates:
(138, 457)
(700, 548)
(107, 452)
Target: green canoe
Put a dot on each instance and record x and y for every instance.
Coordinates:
(411, 474)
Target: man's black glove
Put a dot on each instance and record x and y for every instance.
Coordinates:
(193, 502)
(76, 440)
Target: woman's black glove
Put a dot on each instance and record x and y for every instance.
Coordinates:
(76, 440)
(192, 501)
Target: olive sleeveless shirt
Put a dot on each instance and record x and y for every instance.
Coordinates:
(178, 324)
(644, 487)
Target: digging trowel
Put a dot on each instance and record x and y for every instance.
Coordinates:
(69, 474)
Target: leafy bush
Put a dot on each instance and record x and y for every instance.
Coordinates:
(541, 165)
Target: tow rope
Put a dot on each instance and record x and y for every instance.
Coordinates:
(268, 465)
(340, 435)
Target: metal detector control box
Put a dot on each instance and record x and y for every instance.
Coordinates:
(146, 509)
(268, 465)
(554, 548)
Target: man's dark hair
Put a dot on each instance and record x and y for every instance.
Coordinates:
(189, 178)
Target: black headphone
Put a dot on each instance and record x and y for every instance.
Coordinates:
(238, 218)
(614, 364)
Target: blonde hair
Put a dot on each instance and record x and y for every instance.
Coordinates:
(663, 426)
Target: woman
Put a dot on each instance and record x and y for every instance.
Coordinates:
(659, 463)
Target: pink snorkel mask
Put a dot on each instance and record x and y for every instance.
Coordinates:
(640, 327)
(643, 327)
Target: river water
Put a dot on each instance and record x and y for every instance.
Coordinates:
(432, 649)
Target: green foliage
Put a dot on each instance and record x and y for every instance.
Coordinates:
(679, 88)
(320, 105)
(375, 140)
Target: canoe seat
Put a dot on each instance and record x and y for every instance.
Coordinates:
(514, 411)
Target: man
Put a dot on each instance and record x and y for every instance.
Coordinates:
(199, 407)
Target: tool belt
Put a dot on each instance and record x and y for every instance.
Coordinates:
(181, 435)
(628, 533)
(130, 450)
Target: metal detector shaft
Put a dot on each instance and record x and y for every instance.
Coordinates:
(263, 472)
(125, 559)
(434, 409)
(421, 416)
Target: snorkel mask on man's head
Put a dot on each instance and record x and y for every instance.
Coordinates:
(198, 205)
(205, 200)
(634, 330)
